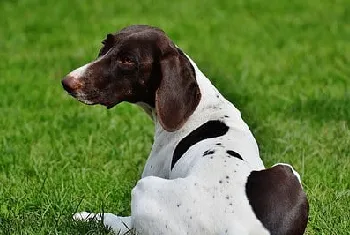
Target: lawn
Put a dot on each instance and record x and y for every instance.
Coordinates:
(284, 64)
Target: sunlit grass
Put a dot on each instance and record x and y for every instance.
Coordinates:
(284, 64)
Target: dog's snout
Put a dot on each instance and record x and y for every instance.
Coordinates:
(71, 84)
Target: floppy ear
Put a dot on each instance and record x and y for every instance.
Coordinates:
(178, 93)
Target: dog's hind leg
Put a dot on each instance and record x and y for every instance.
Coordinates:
(119, 225)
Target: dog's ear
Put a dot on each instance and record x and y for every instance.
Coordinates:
(178, 93)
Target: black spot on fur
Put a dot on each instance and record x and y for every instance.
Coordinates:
(208, 152)
(210, 129)
(218, 144)
(234, 154)
(226, 116)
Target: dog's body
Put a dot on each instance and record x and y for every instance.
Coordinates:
(204, 174)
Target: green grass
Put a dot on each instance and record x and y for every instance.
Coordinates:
(284, 64)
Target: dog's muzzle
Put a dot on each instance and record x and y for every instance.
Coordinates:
(71, 85)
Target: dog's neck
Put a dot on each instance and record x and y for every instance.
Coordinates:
(212, 106)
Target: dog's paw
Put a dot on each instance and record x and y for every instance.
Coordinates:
(119, 225)
(84, 216)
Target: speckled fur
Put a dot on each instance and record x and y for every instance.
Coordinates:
(205, 191)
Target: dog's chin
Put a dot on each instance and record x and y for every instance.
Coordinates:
(87, 102)
(93, 100)
(82, 98)
(108, 105)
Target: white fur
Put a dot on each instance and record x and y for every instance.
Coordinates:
(199, 195)
(294, 171)
(79, 72)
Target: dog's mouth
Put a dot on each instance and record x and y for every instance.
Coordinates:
(92, 99)
(82, 97)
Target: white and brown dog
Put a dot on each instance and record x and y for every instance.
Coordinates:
(204, 174)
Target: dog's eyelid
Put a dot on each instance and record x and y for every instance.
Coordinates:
(126, 59)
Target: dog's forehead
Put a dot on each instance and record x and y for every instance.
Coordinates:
(139, 32)
(140, 28)
(143, 34)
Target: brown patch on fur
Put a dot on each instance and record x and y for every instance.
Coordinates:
(141, 64)
(278, 200)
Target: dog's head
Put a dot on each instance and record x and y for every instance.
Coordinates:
(139, 64)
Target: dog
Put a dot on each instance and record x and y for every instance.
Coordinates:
(204, 174)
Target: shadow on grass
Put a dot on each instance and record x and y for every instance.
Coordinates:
(88, 227)
(93, 227)
(30, 225)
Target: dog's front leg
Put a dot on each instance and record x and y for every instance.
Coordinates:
(120, 225)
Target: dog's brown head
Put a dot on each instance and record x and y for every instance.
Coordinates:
(139, 64)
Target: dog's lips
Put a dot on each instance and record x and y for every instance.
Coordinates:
(74, 94)
(90, 100)
(81, 98)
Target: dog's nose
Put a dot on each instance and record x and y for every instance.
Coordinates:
(71, 84)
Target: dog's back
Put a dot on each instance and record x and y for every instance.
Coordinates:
(204, 174)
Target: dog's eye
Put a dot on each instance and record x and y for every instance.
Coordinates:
(125, 60)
